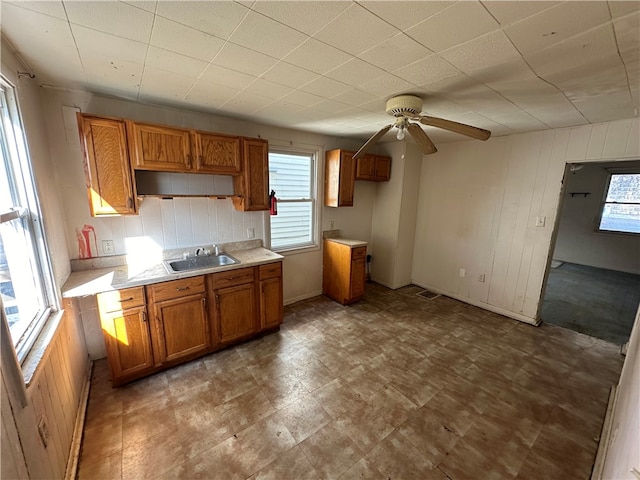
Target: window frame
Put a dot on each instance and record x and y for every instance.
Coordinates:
(604, 203)
(316, 154)
(29, 212)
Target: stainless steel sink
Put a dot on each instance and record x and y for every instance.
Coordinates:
(197, 263)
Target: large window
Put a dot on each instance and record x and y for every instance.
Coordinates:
(25, 279)
(292, 177)
(621, 206)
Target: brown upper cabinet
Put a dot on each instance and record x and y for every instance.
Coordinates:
(339, 176)
(155, 147)
(217, 153)
(252, 187)
(110, 184)
(376, 168)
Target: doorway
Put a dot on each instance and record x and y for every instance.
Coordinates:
(593, 283)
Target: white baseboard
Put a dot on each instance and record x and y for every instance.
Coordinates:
(305, 296)
(392, 286)
(605, 436)
(483, 305)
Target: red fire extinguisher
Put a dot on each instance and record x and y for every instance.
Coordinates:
(273, 203)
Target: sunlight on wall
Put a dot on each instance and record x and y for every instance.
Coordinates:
(142, 253)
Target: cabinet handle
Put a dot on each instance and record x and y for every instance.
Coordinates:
(182, 289)
(204, 302)
(126, 299)
(144, 317)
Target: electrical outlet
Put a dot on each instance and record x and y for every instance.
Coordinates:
(481, 278)
(332, 224)
(462, 273)
(107, 247)
(43, 430)
(251, 233)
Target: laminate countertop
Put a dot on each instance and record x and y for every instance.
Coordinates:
(348, 242)
(82, 283)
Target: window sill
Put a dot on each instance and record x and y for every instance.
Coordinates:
(40, 349)
(285, 252)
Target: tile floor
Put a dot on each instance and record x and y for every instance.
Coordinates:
(393, 387)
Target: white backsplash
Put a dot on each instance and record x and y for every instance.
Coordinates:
(164, 224)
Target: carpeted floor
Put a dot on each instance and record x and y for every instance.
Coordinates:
(594, 301)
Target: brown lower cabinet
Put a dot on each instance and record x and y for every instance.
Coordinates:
(147, 329)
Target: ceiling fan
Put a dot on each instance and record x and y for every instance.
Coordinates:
(408, 107)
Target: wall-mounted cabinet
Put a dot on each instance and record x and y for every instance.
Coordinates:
(110, 184)
(114, 149)
(375, 168)
(252, 187)
(339, 177)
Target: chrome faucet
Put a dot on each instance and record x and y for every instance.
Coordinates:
(199, 251)
(216, 250)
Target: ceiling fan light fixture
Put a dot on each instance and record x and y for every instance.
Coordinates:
(400, 134)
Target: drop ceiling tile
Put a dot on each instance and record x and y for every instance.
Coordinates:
(402, 14)
(161, 84)
(355, 72)
(482, 52)
(244, 60)
(611, 77)
(560, 117)
(396, 52)
(606, 107)
(109, 75)
(356, 30)
(302, 99)
(279, 109)
(215, 18)
(307, 17)
(556, 24)
(520, 122)
(317, 56)
(584, 50)
(456, 24)
(386, 85)
(430, 69)
(184, 40)
(330, 106)
(206, 94)
(174, 62)
(621, 8)
(115, 18)
(148, 5)
(290, 75)
(355, 97)
(245, 104)
(325, 87)
(51, 8)
(512, 71)
(224, 76)
(510, 12)
(266, 89)
(95, 43)
(41, 38)
(627, 31)
(266, 36)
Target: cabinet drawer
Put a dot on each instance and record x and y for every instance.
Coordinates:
(120, 299)
(271, 270)
(233, 277)
(175, 288)
(358, 252)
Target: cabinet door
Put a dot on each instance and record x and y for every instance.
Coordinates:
(357, 278)
(182, 329)
(218, 154)
(160, 148)
(252, 186)
(270, 303)
(107, 167)
(235, 311)
(347, 177)
(382, 169)
(128, 344)
(365, 167)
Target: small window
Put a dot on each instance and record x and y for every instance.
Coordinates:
(292, 177)
(25, 279)
(621, 206)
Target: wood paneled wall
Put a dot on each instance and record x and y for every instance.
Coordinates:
(53, 394)
(478, 206)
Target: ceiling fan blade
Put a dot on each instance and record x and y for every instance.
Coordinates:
(422, 139)
(456, 127)
(371, 141)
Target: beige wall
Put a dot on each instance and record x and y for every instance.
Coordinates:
(577, 241)
(478, 205)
